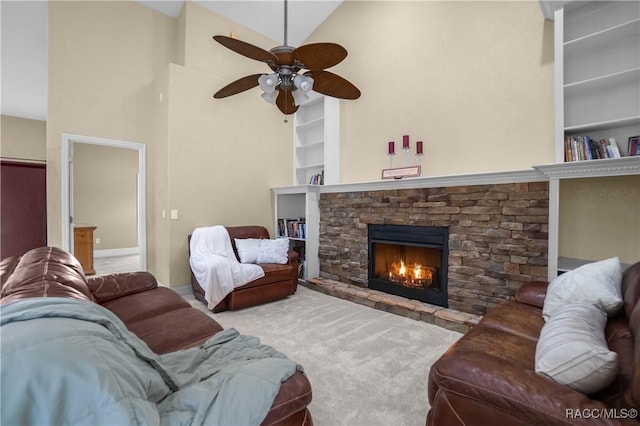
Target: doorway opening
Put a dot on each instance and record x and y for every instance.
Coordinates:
(68, 189)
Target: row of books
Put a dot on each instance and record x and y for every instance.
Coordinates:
(581, 148)
(292, 228)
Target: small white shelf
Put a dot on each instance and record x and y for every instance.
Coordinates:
(311, 166)
(311, 123)
(608, 35)
(311, 145)
(622, 77)
(608, 124)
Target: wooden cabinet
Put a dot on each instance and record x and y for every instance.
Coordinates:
(83, 247)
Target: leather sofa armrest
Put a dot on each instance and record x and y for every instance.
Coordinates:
(292, 256)
(533, 293)
(109, 287)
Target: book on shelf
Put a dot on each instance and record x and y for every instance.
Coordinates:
(292, 228)
(583, 148)
(317, 179)
(633, 147)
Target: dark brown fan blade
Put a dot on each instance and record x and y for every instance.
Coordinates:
(318, 56)
(246, 49)
(240, 85)
(331, 84)
(285, 102)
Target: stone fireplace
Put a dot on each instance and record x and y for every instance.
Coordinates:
(497, 236)
(409, 261)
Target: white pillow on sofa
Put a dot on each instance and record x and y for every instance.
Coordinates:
(572, 349)
(247, 249)
(595, 283)
(273, 251)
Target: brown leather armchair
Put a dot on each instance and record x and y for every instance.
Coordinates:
(279, 281)
(488, 376)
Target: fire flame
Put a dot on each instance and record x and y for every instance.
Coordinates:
(410, 273)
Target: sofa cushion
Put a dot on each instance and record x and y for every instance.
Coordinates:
(109, 287)
(573, 351)
(273, 251)
(595, 283)
(146, 304)
(175, 329)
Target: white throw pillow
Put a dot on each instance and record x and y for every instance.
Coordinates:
(594, 283)
(273, 251)
(572, 349)
(247, 249)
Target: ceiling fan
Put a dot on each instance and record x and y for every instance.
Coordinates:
(287, 86)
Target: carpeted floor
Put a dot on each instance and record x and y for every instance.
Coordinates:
(366, 367)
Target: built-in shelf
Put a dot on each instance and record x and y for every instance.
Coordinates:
(608, 124)
(313, 123)
(311, 166)
(603, 81)
(566, 264)
(311, 145)
(606, 36)
(317, 140)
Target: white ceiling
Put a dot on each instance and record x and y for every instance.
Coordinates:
(23, 66)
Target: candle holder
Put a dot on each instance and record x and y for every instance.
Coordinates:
(406, 170)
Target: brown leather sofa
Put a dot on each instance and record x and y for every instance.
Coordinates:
(157, 315)
(488, 376)
(279, 281)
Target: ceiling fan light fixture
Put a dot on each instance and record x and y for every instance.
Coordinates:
(303, 82)
(268, 82)
(303, 85)
(270, 97)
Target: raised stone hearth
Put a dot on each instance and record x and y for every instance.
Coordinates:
(498, 235)
(419, 311)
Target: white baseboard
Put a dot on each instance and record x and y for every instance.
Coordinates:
(116, 252)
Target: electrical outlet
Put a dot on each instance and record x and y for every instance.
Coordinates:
(97, 240)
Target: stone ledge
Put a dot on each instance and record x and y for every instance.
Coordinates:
(432, 314)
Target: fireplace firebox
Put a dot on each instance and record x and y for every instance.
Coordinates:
(409, 261)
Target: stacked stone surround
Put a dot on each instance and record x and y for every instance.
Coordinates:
(498, 235)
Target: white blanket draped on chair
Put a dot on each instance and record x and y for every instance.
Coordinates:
(215, 266)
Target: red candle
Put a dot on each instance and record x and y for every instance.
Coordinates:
(419, 147)
(405, 141)
(392, 148)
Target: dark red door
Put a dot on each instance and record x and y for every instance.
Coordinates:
(23, 207)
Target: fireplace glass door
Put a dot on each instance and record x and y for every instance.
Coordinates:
(409, 261)
(408, 266)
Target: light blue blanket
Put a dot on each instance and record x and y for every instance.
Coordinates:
(66, 361)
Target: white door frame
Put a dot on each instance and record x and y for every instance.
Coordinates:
(67, 140)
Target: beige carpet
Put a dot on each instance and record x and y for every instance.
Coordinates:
(366, 367)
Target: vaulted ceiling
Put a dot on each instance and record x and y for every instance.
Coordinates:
(24, 40)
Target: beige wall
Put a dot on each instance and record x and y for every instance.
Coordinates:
(23, 139)
(599, 218)
(103, 59)
(472, 79)
(105, 181)
(212, 160)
